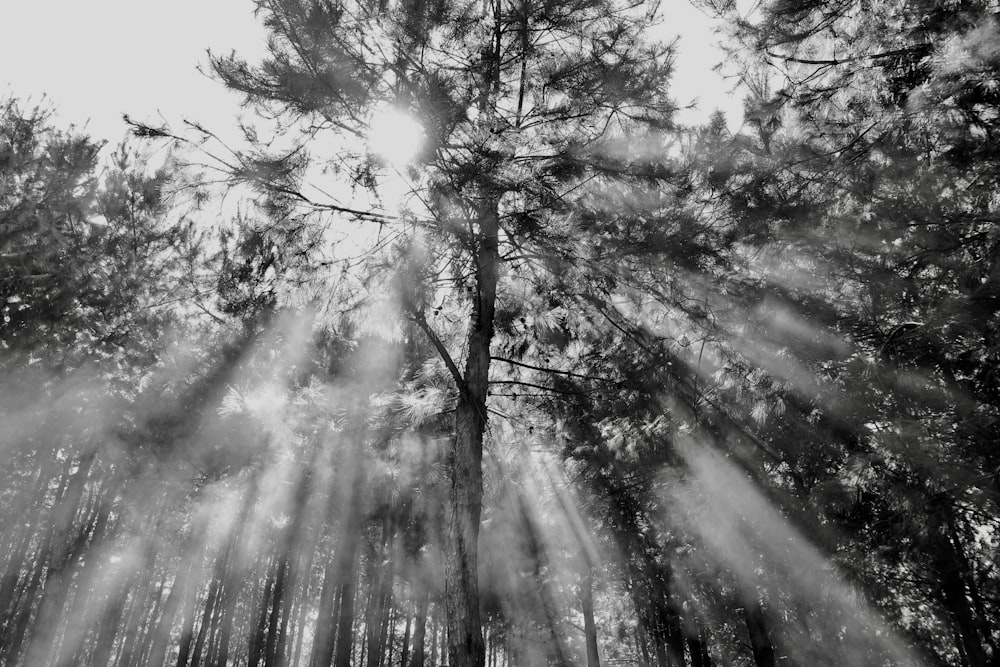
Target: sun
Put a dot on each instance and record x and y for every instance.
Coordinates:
(395, 137)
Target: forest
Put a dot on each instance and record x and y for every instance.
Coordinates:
(560, 382)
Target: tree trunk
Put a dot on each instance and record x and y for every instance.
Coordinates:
(345, 617)
(347, 578)
(259, 635)
(697, 638)
(375, 610)
(760, 641)
(300, 625)
(953, 592)
(337, 596)
(698, 647)
(462, 514)
(231, 575)
(196, 654)
(589, 627)
(325, 636)
(18, 556)
(420, 629)
(187, 624)
(405, 650)
(274, 650)
(183, 580)
(434, 644)
(540, 565)
(276, 647)
(385, 601)
(675, 633)
(642, 647)
(389, 634)
(463, 464)
(52, 558)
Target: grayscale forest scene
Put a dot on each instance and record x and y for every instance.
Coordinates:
(464, 344)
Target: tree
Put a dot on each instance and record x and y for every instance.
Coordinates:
(83, 242)
(528, 110)
(90, 281)
(874, 163)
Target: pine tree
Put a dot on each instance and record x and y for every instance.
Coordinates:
(531, 113)
(875, 162)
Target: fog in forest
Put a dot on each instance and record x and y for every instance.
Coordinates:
(469, 346)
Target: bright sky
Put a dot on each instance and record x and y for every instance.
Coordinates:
(694, 79)
(96, 59)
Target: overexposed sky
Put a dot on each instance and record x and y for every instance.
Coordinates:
(97, 59)
(697, 54)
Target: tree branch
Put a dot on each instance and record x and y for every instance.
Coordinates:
(553, 370)
(539, 386)
(421, 321)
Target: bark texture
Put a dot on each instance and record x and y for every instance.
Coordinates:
(464, 459)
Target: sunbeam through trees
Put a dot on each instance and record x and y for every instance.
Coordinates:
(468, 354)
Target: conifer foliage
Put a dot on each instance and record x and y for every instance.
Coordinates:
(524, 106)
(594, 389)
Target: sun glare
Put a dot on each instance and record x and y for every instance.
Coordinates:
(395, 137)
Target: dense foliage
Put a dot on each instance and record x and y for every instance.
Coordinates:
(597, 388)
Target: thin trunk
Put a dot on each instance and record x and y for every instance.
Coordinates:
(187, 591)
(386, 602)
(420, 629)
(232, 576)
(698, 648)
(259, 635)
(55, 555)
(540, 565)
(139, 601)
(196, 655)
(642, 646)
(657, 632)
(364, 644)
(325, 635)
(149, 625)
(434, 634)
(405, 651)
(675, 633)
(299, 629)
(372, 624)
(589, 627)
(381, 583)
(760, 640)
(345, 621)
(107, 629)
(954, 595)
(444, 645)
(966, 574)
(140, 581)
(289, 566)
(334, 644)
(84, 596)
(345, 616)
(18, 555)
(274, 650)
(389, 635)
(187, 631)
